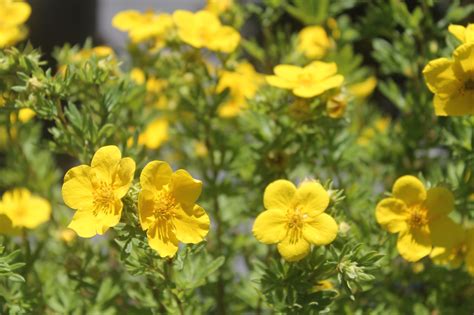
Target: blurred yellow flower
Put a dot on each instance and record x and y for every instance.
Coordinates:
(96, 191)
(12, 16)
(138, 75)
(313, 42)
(362, 90)
(155, 134)
(323, 285)
(242, 84)
(452, 82)
(419, 216)
(144, 26)
(312, 80)
(464, 33)
(294, 218)
(67, 235)
(218, 6)
(24, 209)
(336, 106)
(204, 30)
(168, 210)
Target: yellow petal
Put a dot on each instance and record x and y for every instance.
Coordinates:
(7, 228)
(464, 61)
(282, 83)
(38, 211)
(440, 105)
(458, 31)
(146, 206)
(270, 226)
(15, 13)
(319, 87)
(184, 188)
(289, 72)
(162, 239)
(225, 40)
(77, 190)
(106, 219)
(392, 214)
(414, 244)
(470, 251)
(439, 201)
(456, 105)
(279, 194)
(83, 223)
(320, 230)
(440, 78)
(293, 250)
(191, 228)
(124, 177)
(312, 198)
(446, 233)
(155, 175)
(409, 189)
(127, 20)
(183, 18)
(105, 161)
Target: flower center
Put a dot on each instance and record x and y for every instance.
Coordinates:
(305, 79)
(295, 224)
(469, 84)
(164, 205)
(103, 197)
(418, 216)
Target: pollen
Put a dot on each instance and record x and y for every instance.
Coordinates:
(418, 216)
(164, 205)
(103, 197)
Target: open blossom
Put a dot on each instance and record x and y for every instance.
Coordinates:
(418, 216)
(204, 30)
(464, 33)
(96, 191)
(13, 14)
(310, 81)
(168, 210)
(294, 218)
(23, 209)
(313, 42)
(452, 82)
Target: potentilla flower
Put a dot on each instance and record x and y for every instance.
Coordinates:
(294, 218)
(96, 191)
(168, 210)
(310, 81)
(418, 216)
(204, 30)
(464, 33)
(23, 209)
(155, 134)
(452, 82)
(313, 42)
(13, 14)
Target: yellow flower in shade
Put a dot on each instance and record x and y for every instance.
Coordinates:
(243, 84)
(294, 218)
(218, 6)
(13, 14)
(168, 210)
(204, 30)
(464, 34)
(312, 80)
(96, 191)
(24, 209)
(155, 134)
(461, 249)
(418, 216)
(336, 106)
(452, 82)
(313, 42)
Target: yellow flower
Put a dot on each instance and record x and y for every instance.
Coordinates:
(336, 106)
(204, 30)
(138, 75)
(313, 42)
(96, 191)
(155, 134)
(24, 209)
(452, 82)
(461, 249)
(242, 84)
(168, 210)
(419, 216)
(218, 6)
(67, 235)
(144, 26)
(312, 80)
(12, 16)
(294, 218)
(464, 34)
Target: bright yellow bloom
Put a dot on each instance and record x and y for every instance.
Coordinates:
(461, 249)
(218, 6)
(155, 134)
(313, 42)
(24, 209)
(294, 218)
(243, 84)
(464, 34)
(204, 30)
(96, 191)
(168, 210)
(12, 16)
(452, 82)
(144, 26)
(419, 216)
(312, 80)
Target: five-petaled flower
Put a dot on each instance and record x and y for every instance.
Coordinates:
(168, 210)
(310, 81)
(294, 218)
(96, 191)
(452, 82)
(313, 42)
(419, 216)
